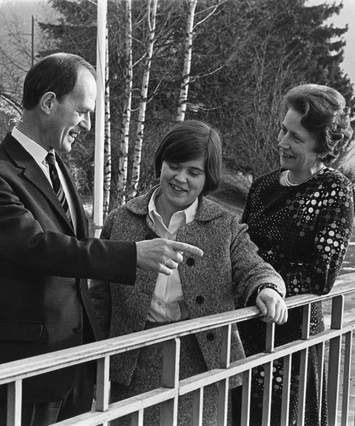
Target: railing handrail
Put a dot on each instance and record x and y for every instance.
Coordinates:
(19, 370)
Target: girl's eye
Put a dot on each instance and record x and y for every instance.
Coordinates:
(173, 166)
(195, 172)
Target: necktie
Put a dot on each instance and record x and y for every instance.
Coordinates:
(57, 186)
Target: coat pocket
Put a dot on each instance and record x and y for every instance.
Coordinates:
(21, 331)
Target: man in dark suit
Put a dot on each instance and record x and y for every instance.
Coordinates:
(45, 253)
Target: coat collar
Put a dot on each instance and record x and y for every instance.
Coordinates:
(207, 210)
(33, 173)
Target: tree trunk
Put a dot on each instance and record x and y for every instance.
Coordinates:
(126, 117)
(136, 165)
(107, 144)
(184, 89)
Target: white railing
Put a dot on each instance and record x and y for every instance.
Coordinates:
(329, 343)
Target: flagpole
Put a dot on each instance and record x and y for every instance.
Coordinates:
(99, 118)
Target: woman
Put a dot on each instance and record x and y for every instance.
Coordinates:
(188, 164)
(301, 219)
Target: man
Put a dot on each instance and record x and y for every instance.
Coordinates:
(45, 252)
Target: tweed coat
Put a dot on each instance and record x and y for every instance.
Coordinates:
(224, 278)
(44, 303)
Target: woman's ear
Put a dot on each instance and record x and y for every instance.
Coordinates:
(47, 102)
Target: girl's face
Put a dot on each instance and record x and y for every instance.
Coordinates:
(182, 183)
(297, 145)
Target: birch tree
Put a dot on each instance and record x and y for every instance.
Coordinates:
(107, 143)
(184, 89)
(126, 116)
(137, 156)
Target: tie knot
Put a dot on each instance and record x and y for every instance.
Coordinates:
(50, 158)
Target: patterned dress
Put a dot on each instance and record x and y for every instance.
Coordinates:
(303, 231)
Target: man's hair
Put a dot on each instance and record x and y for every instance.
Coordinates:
(55, 73)
(325, 115)
(188, 141)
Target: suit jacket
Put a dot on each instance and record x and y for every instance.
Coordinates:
(44, 303)
(224, 278)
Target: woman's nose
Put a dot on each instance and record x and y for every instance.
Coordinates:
(282, 141)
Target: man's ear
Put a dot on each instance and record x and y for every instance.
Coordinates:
(47, 102)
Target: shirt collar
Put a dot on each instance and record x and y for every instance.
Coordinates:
(189, 213)
(33, 148)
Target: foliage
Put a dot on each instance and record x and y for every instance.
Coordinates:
(245, 57)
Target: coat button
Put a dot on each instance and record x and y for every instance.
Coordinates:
(190, 261)
(77, 330)
(200, 300)
(210, 337)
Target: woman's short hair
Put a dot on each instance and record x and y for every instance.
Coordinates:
(55, 73)
(325, 115)
(188, 141)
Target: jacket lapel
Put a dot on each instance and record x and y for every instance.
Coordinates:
(32, 173)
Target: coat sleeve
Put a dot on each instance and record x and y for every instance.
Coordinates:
(100, 293)
(25, 247)
(249, 270)
(332, 233)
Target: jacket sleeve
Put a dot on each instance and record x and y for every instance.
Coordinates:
(248, 268)
(26, 247)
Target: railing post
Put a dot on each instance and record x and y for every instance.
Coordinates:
(286, 384)
(246, 392)
(223, 387)
(306, 318)
(170, 379)
(346, 379)
(334, 358)
(268, 374)
(14, 403)
(320, 354)
(103, 384)
(197, 407)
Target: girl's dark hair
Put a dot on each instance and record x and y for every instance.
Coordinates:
(55, 73)
(325, 115)
(188, 141)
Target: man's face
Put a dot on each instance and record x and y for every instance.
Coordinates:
(71, 114)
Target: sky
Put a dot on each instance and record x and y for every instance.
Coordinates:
(346, 17)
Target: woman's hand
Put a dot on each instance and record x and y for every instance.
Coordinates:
(272, 306)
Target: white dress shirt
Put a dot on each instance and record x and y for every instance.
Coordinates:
(168, 299)
(39, 154)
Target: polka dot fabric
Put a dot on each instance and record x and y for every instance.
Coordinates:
(303, 231)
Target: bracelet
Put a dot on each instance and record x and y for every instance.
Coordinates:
(268, 285)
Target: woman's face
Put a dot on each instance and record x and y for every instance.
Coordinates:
(182, 183)
(296, 145)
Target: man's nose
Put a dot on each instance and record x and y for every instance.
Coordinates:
(86, 121)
